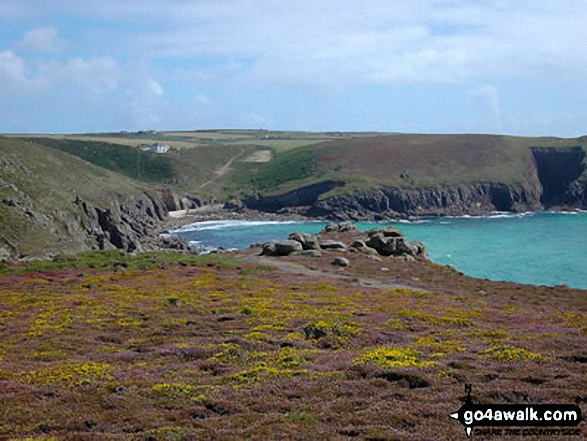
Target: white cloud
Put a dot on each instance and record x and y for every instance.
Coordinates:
(344, 41)
(43, 39)
(487, 97)
(11, 68)
(97, 72)
(13, 75)
(254, 120)
(375, 41)
(144, 105)
(203, 100)
(155, 88)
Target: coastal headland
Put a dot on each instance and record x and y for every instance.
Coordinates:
(340, 335)
(64, 193)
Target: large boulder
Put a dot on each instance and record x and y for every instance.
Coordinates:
(345, 226)
(391, 245)
(385, 232)
(420, 249)
(330, 227)
(281, 248)
(308, 241)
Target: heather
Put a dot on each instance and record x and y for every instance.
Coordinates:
(170, 346)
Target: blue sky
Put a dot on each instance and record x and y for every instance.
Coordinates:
(418, 66)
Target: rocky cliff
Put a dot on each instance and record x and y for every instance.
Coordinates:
(558, 182)
(129, 223)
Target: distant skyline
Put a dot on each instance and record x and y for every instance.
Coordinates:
(417, 66)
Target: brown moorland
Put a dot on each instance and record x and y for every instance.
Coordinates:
(248, 347)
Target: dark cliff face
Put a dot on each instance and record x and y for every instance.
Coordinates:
(302, 197)
(557, 184)
(381, 203)
(558, 169)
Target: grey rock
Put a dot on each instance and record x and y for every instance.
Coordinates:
(307, 253)
(340, 261)
(330, 227)
(405, 257)
(281, 248)
(176, 243)
(4, 254)
(385, 232)
(347, 226)
(308, 241)
(268, 249)
(332, 245)
(234, 205)
(391, 245)
(420, 249)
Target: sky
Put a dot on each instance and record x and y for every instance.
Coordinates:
(418, 66)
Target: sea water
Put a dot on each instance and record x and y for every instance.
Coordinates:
(535, 248)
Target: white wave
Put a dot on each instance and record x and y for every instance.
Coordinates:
(413, 221)
(493, 215)
(222, 224)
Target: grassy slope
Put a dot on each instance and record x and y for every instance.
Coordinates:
(221, 348)
(361, 160)
(46, 181)
(129, 161)
(428, 160)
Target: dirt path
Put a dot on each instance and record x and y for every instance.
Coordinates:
(297, 268)
(222, 170)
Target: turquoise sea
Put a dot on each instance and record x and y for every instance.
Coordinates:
(535, 248)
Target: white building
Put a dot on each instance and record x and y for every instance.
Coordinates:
(156, 148)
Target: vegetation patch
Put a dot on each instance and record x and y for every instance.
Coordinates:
(392, 357)
(511, 354)
(129, 161)
(67, 375)
(116, 259)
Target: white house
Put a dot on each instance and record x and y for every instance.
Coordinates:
(156, 148)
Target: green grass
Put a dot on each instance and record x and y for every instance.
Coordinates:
(42, 184)
(286, 166)
(112, 259)
(129, 161)
(406, 161)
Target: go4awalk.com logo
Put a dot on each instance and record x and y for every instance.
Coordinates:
(562, 419)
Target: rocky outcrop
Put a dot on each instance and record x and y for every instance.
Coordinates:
(308, 241)
(131, 223)
(281, 248)
(173, 202)
(386, 241)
